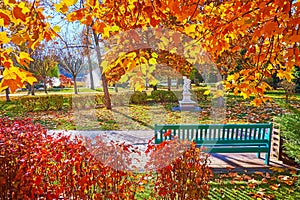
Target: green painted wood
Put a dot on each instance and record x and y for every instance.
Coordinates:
(221, 138)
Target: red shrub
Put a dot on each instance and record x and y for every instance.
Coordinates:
(34, 164)
(184, 172)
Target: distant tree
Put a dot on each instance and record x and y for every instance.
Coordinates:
(72, 60)
(87, 52)
(195, 76)
(44, 65)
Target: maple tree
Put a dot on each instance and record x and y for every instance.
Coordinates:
(268, 32)
(44, 65)
(23, 27)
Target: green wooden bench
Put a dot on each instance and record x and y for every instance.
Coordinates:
(221, 138)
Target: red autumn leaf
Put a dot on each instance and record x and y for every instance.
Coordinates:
(154, 22)
(5, 18)
(168, 133)
(17, 11)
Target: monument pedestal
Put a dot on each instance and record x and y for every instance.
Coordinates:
(187, 104)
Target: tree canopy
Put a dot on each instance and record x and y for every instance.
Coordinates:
(23, 26)
(248, 41)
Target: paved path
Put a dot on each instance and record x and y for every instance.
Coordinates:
(219, 162)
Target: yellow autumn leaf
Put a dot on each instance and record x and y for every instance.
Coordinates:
(153, 81)
(31, 80)
(164, 42)
(280, 74)
(288, 76)
(105, 33)
(144, 68)
(3, 38)
(24, 55)
(115, 28)
(2, 87)
(131, 55)
(123, 78)
(139, 86)
(69, 2)
(231, 77)
(206, 92)
(61, 7)
(10, 73)
(190, 29)
(154, 55)
(1, 22)
(56, 29)
(143, 60)
(104, 65)
(152, 61)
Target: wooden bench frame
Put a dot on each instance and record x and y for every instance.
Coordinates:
(221, 138)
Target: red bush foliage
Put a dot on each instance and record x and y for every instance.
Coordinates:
(184, 172)
(37, 165)
(65, 81)
(34, 164)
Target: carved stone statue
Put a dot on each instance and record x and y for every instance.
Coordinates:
(186, 84)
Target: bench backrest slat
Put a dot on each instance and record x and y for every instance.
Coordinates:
(220, 132)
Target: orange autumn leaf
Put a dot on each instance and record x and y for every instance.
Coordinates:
(274, 186)
(99, 27)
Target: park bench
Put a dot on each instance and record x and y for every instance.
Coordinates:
(221, 138)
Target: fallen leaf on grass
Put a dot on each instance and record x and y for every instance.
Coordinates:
(276, 169)
(259, 173)
(274, 187)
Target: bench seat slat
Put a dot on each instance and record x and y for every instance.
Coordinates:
(237, 149)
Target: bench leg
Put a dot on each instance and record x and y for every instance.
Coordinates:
(258, 155)
(267, 158)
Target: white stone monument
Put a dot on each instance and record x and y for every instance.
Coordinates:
(186, 103)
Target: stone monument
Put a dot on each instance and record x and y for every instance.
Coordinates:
(186, 103)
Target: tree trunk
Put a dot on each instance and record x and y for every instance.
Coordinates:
(154, 87)
(169, 84)
(116, 87)
(89, 60)
(29, 89)
(107, 101)
(147, 83)
(177, 83)
(32, 90)
(45, 86)
(75, 85)
(7, 95)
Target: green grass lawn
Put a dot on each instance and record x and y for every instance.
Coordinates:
(233, 186)
(143, 117)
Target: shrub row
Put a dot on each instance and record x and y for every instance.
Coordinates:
(163, 96)
(37, 165)
(138, 97)
(42, 103)
(57, 102)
